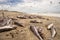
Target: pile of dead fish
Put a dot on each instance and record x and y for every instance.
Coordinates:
(39, 35)
(6, 24)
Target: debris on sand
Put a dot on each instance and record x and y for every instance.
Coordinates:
(18, 23)
(13, 18)
(50, 26)
(32, 17)
(35, 31)
(40, 17)
(33, 21)
(47, 19)
(7, 28)
(21, 17)
(36, 21)
(12, 35)
(52, 30)
(40, 32)
(6, 24)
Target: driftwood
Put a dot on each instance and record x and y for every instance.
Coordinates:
(35, 31)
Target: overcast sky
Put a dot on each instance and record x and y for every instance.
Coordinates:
(31, 6)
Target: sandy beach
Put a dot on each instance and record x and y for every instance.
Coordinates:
(24, 33)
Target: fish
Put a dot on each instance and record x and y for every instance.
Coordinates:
(35, 31)
(7, 28)
(53, 32)
(50, 26)
(18, 23)
(9, 21)
(52, 29)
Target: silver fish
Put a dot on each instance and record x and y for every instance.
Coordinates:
(50, 26)
(7, 28)
(35, 31)
(53, 32)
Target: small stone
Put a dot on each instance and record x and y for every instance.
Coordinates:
(7, 34)
(47, 19)
(12, 35)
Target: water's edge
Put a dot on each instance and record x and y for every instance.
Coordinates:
(47, 14)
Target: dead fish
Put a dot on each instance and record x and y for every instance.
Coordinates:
(50, 26)
(13, 18)
(9, 21)
(40, 31)
(21, 17)
(7, 28)
(53, 32)
(18, 23)
(35, 31)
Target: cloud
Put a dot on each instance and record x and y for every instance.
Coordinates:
(2, 0)
(10, 2)
(33, 0)
(31, 6)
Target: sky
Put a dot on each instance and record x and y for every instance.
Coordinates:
(31, 6)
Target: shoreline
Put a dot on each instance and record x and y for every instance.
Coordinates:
(47, 14)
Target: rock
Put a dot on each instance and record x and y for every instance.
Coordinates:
(47, 19)
(12, 35)
(7, 34)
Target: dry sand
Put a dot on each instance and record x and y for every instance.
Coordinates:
(24, 33)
